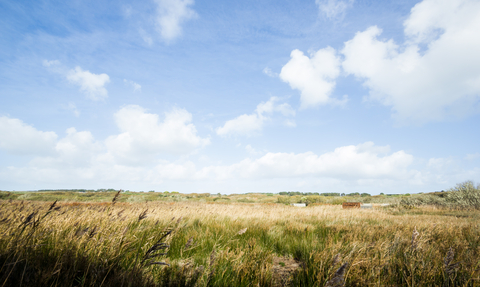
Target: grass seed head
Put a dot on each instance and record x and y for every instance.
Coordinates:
(53, 205)
(189, 243)
(336, 259)
(448, 265)
(415, 235)
(338, 279)
(143, 215)
(115, 198)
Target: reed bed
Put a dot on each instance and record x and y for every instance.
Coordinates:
(234, 244)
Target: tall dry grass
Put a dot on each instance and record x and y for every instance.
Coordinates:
(202, 244)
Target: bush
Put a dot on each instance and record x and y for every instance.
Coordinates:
(283, 200)
(465, 195)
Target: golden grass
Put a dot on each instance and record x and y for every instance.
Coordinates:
(234, 244)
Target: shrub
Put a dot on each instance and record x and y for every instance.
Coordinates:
(465, 195)
(283, 200)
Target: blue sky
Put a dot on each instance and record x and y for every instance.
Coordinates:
(240, 96)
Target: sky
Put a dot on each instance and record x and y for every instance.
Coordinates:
(240, 96)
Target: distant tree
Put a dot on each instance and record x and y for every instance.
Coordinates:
(330, 194)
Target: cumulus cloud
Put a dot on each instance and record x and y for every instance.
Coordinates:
(93, 85)
(249, 124)
(16, 137)
(133, 158)
(144, 135)
(363, 161)
(78, 158)
(333, 9)
(435, 74)
(75, 150)
(136, 87)
(313, 76)
(171, 14)
(242, 125)
(77, 146)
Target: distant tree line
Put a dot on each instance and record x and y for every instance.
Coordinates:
(79, 190)
(292, 193)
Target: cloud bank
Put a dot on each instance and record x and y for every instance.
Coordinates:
(16, 137)
(137, 157)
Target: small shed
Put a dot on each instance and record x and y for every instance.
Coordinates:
(363, 205)
(298, 204)
(346, 205)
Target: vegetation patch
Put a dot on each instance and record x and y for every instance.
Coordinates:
(210, 243)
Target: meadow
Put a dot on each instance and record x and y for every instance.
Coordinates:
(170, 239)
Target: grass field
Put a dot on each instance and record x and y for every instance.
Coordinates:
(206, 242)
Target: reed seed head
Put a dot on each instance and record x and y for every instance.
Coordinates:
(338, 279)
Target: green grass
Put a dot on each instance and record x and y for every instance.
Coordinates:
(105, 244)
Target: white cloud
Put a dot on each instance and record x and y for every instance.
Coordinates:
(251, 150)
(250, 124)
(142, 140)
(136, 87)
(75, 150)
(333, 9)
(78, 145)
(363, 161)
(472, 156)
(144, 136)
(242, 125)
(146, 37)
(267, 71)
(72, 107)
(171, 14)
(271, 106)
(314, 77)
(47, 63)
(290, 123)
(16, 137)
(91, 84)
(127, 11)
(131, 156)
(435, 74)
(79, 160)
